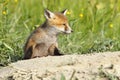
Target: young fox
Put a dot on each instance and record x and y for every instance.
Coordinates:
(43, 40)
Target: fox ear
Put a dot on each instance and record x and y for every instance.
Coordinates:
(48, 14)
(64, 12)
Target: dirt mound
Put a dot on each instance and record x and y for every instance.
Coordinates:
(98, 66)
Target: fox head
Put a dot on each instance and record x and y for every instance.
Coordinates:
(58, 21)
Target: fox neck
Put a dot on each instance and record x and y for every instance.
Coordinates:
(50, 30)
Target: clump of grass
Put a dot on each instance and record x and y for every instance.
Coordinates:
(105, 74)
(61, 78)
(95, 23)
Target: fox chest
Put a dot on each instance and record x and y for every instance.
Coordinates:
(44, 46)
(47, 40)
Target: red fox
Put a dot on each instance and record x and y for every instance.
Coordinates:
(43, 40)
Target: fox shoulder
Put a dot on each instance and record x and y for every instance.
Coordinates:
(32, 41)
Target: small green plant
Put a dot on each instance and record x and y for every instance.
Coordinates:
(61, 78)
(64, 77)
(105, 74)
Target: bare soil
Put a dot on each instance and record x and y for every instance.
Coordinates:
(97, 66)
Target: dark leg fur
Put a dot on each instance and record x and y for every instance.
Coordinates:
(57, 52)
(28, 53)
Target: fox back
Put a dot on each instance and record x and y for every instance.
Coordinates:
(43, 40)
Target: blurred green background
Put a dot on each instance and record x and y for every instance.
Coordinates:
(96, 25)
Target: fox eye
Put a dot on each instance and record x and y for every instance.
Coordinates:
(64, 24)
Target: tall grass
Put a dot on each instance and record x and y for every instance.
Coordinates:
(96, 25)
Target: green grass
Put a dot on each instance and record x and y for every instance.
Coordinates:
(96, 30)
(105, 74)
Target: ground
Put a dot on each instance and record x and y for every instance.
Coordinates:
(95, 66)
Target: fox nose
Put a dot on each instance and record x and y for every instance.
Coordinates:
(68, 32)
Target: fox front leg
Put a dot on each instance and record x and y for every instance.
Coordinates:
(53, 50)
